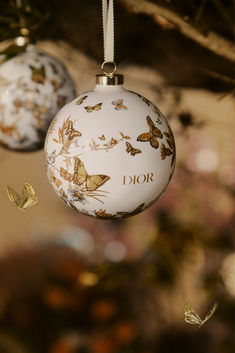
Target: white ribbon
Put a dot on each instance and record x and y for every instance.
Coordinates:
(108, 30)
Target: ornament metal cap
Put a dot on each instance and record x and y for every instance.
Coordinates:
(109, 80)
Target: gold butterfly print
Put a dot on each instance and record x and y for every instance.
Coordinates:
(151, 136)
(81, 100)
(102, 138)
(192, 317)
(27, 199)
(53, 179)
(171, 143)
(38, 75)
(92, 182)
(119, 104)
(133, 151)
(170, 140)
(165, 151)
(132, 213)
(71, 132)
(96, 107)
(103, 214)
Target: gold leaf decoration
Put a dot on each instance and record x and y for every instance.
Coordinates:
(191, 316)
(27, 199)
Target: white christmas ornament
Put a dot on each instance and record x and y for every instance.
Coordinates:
(33, 87)
(110, 153)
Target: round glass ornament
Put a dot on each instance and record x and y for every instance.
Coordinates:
(33, 87)
(110, 153)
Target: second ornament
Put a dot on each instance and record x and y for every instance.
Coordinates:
(33, 87)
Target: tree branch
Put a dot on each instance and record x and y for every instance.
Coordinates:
(212, 41)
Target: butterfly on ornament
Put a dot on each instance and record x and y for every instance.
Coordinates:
(96, 107)
(38, 75)
(81, 100)
(170, 140)
(77, 195)
(92, 182)
(10, 130)
(27, 199)
(71, 132)
(119, 104)
(133, 151)
(102, 138)
(165, 151)
(192, 317)
(105, 215)
(171, 144)
(132, 213)
(145, 100)
(158, 112)
(54, 180)
(151, 136)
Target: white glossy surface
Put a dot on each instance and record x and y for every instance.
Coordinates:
(123, 137)
(33, 87)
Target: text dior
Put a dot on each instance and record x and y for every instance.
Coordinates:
(137, 179)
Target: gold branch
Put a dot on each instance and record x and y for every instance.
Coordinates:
(212, 41)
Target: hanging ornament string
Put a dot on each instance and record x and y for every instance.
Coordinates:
(108, 33)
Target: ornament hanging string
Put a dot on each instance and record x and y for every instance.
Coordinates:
(108, 33)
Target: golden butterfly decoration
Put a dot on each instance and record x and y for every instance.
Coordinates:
(119, 104)
(81, 100)
(27, 199)
(165, 151)
(71, 132)
(96, 107)
(132, 213)
(92, 182)
(102, 138)
(130, 149)
(38, 75)
(171, 143)
(105, 215)
(192, 317)
(151, 136)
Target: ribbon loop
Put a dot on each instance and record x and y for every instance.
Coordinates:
(108, 30)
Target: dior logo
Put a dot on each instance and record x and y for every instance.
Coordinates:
(137, 179)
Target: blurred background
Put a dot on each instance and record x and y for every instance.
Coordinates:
(73, 284)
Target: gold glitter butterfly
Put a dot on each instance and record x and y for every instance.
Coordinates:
(71, 132)
(133, 151)
(151, 136)
(81, 100)
(192, 317)
(102, 138)
(92, 182)
(96, 107)
(38, 75)
(27, 199)
(119, 104)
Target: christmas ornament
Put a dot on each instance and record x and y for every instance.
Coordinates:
(110, 153)
(33, 87)
(27, 199)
